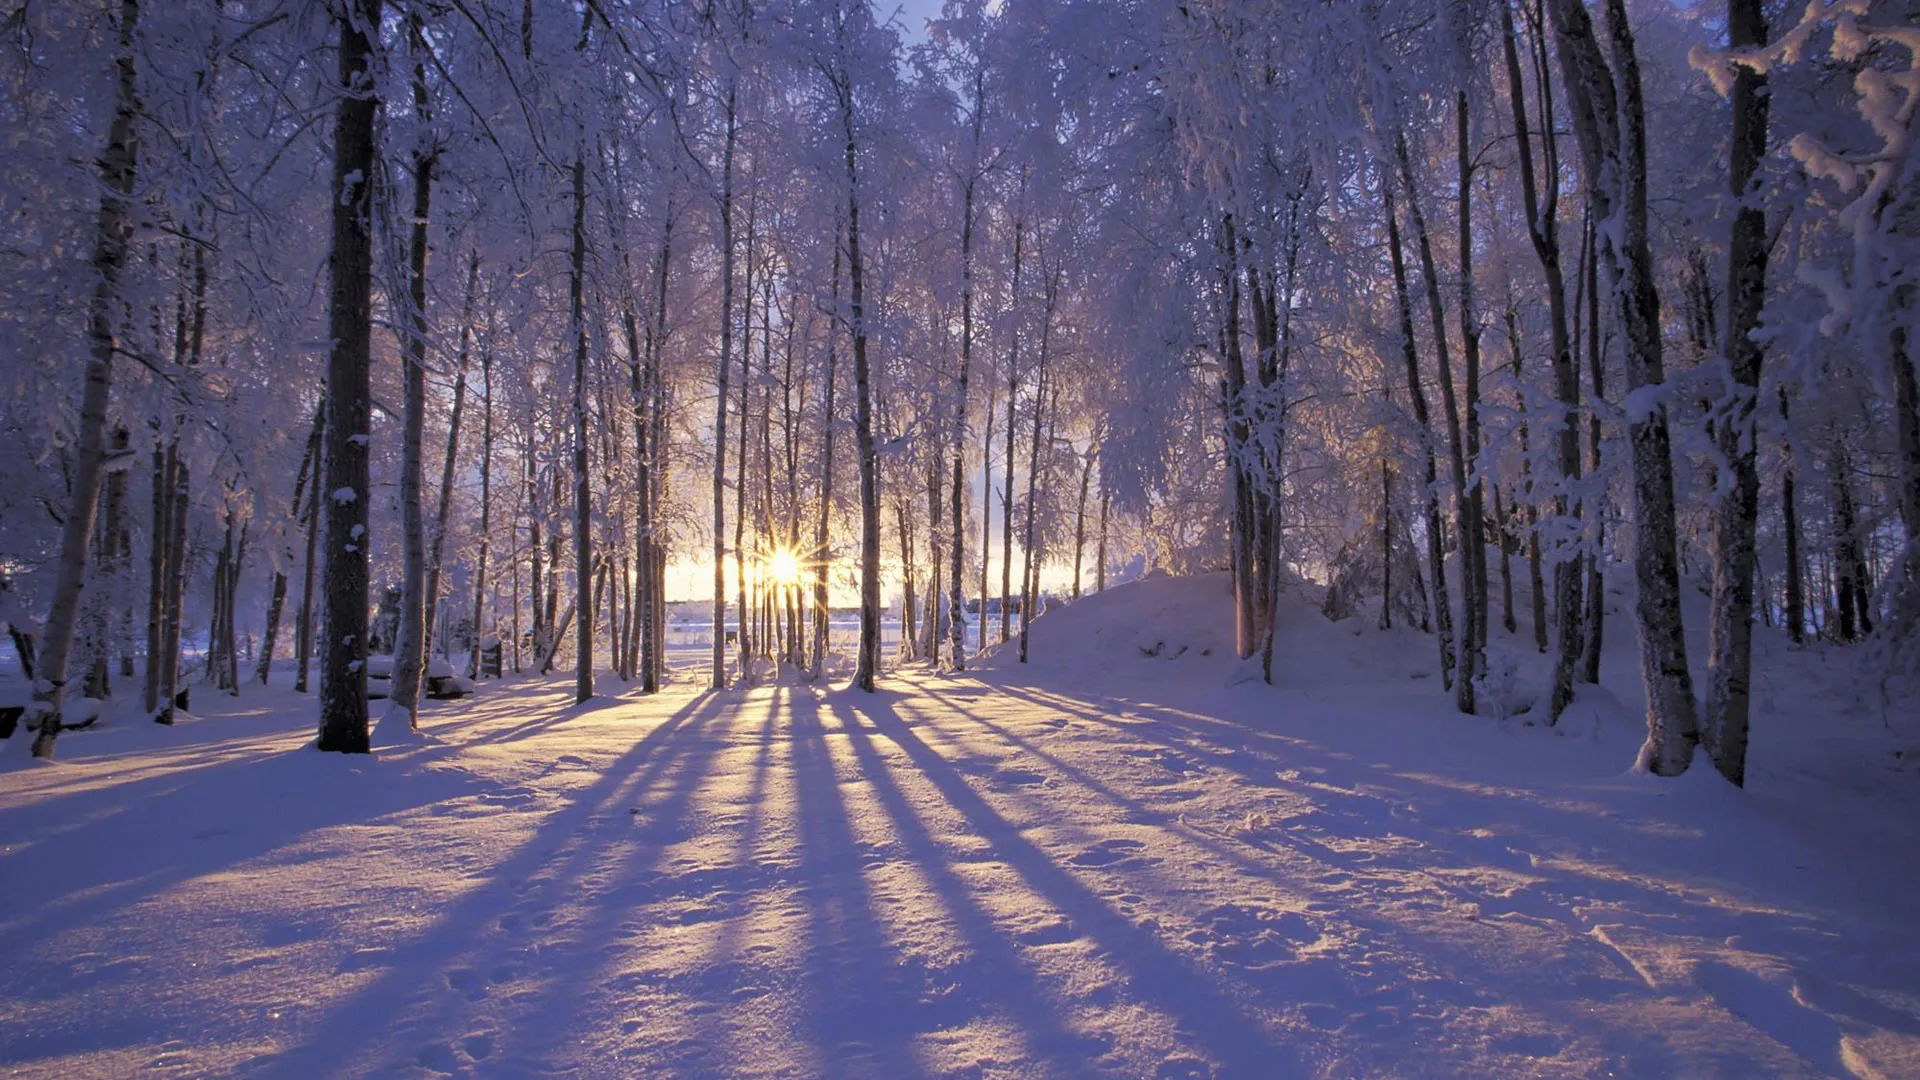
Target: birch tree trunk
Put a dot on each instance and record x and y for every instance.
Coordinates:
(444, 506)
(410, 638)
(1723, 723)
(1540, 193)
(1610, 119)
(343, 665)
(1013, 396)
(822, 610)
(1436, 556)
(109, 257)
(481, 627)
(1029, 576)
(719, 681)
(582, 481)
(956, 597)
(1467, 662)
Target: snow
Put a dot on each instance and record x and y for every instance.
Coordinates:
(1106, 862)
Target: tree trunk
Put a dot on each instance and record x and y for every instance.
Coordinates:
(482, 627)
(1610, 119)
(1080, 522)
(1100, 546)
(956, 597)
(1593, 632)
(109, 257)
(343, 667)
(309, 474)
(1030, 576)
(822, 609)
(910, 631)
(410, 639)
(986, 509)
(653, 657)
(171, 604)
(157, 569)
(1470, 408)
(1723, 723)
(444, 507)
(1796, 603)
(1013, 396)
(1467, 664)
(1849, 565)
(110, 538)
(582, 480)
(719, 680)
(743, 647)
(1436, 556)
(868, 666)
(303, 633)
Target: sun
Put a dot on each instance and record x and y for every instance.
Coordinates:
(782, 567)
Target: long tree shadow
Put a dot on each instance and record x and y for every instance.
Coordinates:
(1211, 1013)
(992, 976)
(448, 956)
(632, 887)
(1519, 853)
(861, 1012)
(1133, 811)
(183, 830)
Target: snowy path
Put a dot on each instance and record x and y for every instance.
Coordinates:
(949, 879)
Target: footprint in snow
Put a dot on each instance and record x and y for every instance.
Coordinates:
(1109, 852)
(468, 983)
(1018, 778)
(479, 1045)
(1253, 936)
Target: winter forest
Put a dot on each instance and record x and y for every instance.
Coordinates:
(975, 538)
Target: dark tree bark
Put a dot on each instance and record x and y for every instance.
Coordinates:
(343, 665)
(309, 476)
(1610, 119)
(1436, 556)
(822, 610)
(582, 479)
(1467, 664)
(1723, 723)
(719, 680)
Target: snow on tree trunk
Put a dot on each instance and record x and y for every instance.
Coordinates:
(1540, 192)
(343, 647)
(1610, 120)
(89, 454)
(410, 643)
(1723, 723)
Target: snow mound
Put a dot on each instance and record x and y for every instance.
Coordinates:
(1154, 626)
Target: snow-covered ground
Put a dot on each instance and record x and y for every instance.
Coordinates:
(1102, 863)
